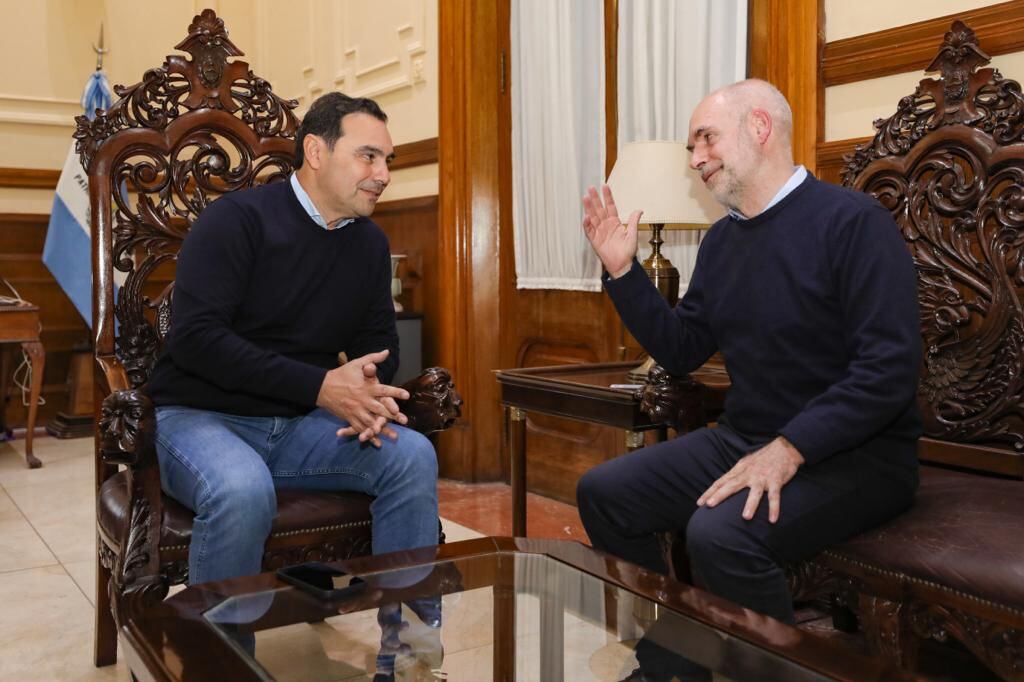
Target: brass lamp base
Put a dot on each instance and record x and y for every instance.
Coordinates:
(666, 278)
(638, 374)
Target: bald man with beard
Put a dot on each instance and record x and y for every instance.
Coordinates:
(808, 291)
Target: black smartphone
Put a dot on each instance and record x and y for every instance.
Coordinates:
(321, 580)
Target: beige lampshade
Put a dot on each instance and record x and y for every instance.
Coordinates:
(654, 176)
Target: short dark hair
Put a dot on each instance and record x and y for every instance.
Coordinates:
(324, 119)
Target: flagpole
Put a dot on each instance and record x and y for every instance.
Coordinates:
(100, 51)
(76, 419)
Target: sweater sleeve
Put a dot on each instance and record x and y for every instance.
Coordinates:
(377, 331)
(213, 270)
(876, 288)
(679, 338)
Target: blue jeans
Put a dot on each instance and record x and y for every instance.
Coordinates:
(226, 468)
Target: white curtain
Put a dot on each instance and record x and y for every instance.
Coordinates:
(558, 133)
(671, 54)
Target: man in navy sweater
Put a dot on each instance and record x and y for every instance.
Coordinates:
(272, 284)
(808, 291)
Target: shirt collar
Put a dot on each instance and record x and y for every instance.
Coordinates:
(311, 209)
(798, 176)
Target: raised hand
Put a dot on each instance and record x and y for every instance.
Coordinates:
(764, 471)
(612, 240)
(353, 393)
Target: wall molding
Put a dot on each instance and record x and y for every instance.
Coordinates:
(830, 155)
(1000, 29)
(418, 153)
(427, 202)
(25, 218)
(784, 47)
(408, 155)
(29, 178)
(46, 111)
(404, 69)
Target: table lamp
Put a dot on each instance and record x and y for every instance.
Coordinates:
(654, 176)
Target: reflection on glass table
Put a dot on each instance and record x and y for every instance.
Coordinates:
(503, 615)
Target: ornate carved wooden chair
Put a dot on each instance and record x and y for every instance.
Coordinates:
(188, 132)
(949, 164)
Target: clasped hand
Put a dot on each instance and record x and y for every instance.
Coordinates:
(354, 393)
(765, 471)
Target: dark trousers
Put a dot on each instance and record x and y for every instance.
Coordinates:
(625, 501)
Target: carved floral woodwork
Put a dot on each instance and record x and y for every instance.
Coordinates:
(1000, 646)
(190, 131)
(433, 403)
(127, 427)
(949, 166)
(159, 185)
(207, 81)
(676, 401)
(959, 202)
(964, 95)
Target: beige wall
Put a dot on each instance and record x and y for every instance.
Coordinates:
(850, 108)
(384, 50)
(848, 18)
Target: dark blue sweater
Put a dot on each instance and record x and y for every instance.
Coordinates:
(813, 304)
(265, 299)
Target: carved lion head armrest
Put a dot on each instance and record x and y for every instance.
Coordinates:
(676, 401)
(127, 429)
(433, 403)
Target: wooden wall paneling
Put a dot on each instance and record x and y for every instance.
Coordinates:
(611, 84)
(29, 178)
(548, 327)
(419, 153)
(411, 226)
(21, 245)
(558, 328)
(624, 344)
(999, 28)
(785, 41)
(830, 157)
(471, 36)
(510, 303)
(757, 38)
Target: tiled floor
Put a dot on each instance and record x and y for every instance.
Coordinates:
(47, 550)
(486, 507)
(46, 564)
(47, 570)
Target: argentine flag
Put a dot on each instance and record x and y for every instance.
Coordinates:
(67, 251)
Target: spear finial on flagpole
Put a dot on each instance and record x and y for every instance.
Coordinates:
(100, 51)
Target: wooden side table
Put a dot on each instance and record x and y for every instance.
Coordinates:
(580, 392)
(20, 324)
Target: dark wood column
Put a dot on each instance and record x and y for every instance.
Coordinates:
(785, 42)
(473, 140)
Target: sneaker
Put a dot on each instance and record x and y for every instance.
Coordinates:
(428, 609)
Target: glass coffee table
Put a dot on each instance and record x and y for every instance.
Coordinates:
(510, 609)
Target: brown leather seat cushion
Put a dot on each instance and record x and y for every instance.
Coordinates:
(965, 532)
(297, 510)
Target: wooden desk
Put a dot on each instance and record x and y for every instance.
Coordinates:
(20, 324)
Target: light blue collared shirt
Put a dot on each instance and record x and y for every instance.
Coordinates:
(794, 181)
(311, 209)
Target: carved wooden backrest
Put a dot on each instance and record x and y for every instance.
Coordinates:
(191, 130)
(949, 164)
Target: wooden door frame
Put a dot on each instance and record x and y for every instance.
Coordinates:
(476, 265)
(473, 165)
(785, 43)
